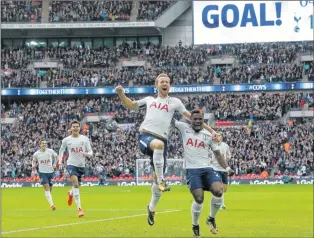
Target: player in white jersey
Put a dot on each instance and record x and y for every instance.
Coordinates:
(78, 147)
(199, 172)
(154, 132)
(225, 151)
(42, 160)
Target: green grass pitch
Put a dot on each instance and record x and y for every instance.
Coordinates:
(252, 211)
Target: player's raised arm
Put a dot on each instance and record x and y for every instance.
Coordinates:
(221, 160)
(187, 114)
(127, 102)
(179, 125)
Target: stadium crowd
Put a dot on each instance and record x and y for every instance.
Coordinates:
(81, 11)
(21, 11)
(84, 11)
(257, 63)
(151, 10)
(254, 149)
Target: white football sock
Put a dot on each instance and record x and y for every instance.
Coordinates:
(156, 194)
(49, 198)
(215, 204)
(196, 211)
(76, 194)
(158, 159)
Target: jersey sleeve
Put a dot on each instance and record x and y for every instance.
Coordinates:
(35, 157)
(88, 147)
(179, 125)
(62, 148)
(180, 107)
(54, 154)
(214, 145)
(142, 102)
(228, 153)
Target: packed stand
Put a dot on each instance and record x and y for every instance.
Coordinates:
(21, 11)
(184, 64)
(89, 11)
(71, 57)
(271, 147)
(233, 106)
(151, 10)
(259, 73)
(21, 140)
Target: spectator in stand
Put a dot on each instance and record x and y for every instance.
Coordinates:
(21, 11)
(86, 11)
(151, 10)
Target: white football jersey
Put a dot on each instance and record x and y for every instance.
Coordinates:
(74, 146)
(44, 160)
(196, 146)
(225, 151)
(159, 113)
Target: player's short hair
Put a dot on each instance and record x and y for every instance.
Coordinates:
(162, 75)
(75, 122)
(197, 111)
(43, 141)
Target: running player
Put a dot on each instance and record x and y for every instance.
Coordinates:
(225, 151)
(154, 132)
(78, 147)
(43, 160)
(199, 173)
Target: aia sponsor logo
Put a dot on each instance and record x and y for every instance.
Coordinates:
(159, 106)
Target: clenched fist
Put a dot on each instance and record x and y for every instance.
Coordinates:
(119, 89)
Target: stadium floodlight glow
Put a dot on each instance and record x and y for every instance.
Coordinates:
(72, 91)
(100, 91)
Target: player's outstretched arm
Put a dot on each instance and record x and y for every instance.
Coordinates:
(127, 102)
(221, 160)
(187, 114)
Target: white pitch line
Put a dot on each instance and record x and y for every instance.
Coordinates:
(83, 222)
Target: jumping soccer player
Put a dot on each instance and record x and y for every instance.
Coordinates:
(43, 159)
(199, 173)
(154, 132)
(225, 151)
(78, 147)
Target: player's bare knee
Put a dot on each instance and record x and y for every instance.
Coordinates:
(76, 185)
(217, 192)
(46, 187)
(199, 199)
(158, 144)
